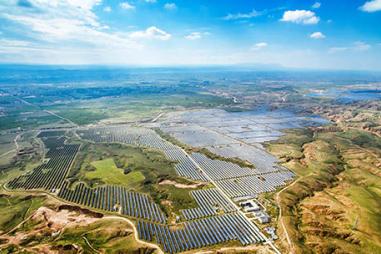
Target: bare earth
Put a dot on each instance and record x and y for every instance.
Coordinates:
(180, 185)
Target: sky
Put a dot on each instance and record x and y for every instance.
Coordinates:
(323, 34)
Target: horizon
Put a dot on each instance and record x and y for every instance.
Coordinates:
(221, 67)
(190, 126)
(310, 35)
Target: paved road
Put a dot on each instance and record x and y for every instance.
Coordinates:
(61, 117)
(47, 111)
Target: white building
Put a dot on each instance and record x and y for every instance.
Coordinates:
(249, 206)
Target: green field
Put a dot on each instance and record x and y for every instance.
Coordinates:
(107, 171)
(14, 209)
(100, 164)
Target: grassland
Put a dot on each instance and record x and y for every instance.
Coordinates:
(7, 142)
(362, 115)
(106, 171)
(16, 208)
(334, 207)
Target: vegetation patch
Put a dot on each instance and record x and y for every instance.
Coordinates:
(107, 172)
(140, 169)
(206, 152)
(16, 208)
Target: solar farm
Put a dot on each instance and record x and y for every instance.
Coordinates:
(235, 135)
(114, 199)
(241, 182)
(201, 233)
(210, 202)
(216, 219)
(51, 174)
(219, 127)
(146, 138)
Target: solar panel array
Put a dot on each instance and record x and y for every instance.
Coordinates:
(217, 169)
(210, 202)
(51, 174)
(185, 168)
(254, 185)
(147, 138)
(114, 199)
(200, 233)
(241, 182)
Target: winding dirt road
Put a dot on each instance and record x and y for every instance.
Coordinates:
(114, 217)
(280, 218)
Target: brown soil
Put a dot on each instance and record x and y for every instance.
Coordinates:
(180, 185)
(51, 222)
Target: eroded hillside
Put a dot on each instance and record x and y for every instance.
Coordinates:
(334, 206)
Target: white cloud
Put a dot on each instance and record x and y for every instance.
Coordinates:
(371, 6)
(66, 22)
(316, 5)
(45, 9)
(317, 35)
(337, 49)
(300, 17)
(361, 46)
(193, 36)
(151, 33)
(126, 6)
(107, 9)
(13, 43)
(170, 6)
(83, 4)
(259, 46)
(150, 1)
(196, 35)
(237, 16)
(356, 47)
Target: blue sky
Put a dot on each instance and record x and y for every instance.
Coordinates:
(324, 34)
